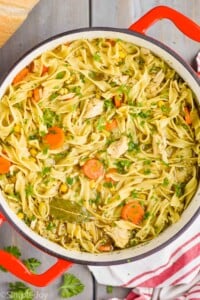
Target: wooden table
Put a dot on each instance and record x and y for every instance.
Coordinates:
(51, 17)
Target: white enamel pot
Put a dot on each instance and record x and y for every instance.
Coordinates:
(134, 34)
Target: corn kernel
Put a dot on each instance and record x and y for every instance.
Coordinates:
(99, 188)
(161, 103)
(98, 96)
(17, 128)
(32, 159)
(63, 188)
(143, 197)
(62, 91)
(80, 58)
(42, 209)
(106, 133)
(92, 184)
(33, 152)
(30, 94)
(20, 215)
(112, 189)
(122, 54)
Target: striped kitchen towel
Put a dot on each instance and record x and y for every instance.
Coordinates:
(172, 273)
(175, 265)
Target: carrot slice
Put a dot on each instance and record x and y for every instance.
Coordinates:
(118, 100)
(188, 119)
(107, 175)
(45, 69)
(31, 67)
(4, 165)
(111, 42)
(54, 138)
(93, 169)
(20, 76)
(36, 95)
(133, 212)
(105, 248)
(111, 125)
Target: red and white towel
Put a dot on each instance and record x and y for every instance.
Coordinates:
(173, 273)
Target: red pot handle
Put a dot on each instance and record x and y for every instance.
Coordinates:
(17, 268)
(187, 26)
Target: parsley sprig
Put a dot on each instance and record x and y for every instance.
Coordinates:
(71, 286)
(18, 290)
(12, 250)
(32, 264)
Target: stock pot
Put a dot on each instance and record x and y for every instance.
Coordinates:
(136, 35)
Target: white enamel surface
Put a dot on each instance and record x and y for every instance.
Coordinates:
(168, 233)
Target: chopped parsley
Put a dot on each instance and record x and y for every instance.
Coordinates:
(147, 171)
(33, 137)
(179, 189)
(45, 150)
(147, 162)
(82, 78)
(154, 69)
(76, 90)
(109, 289)
(134, 194)
(123, 89)
(133, 147)
(45, 171)
(29, 190)
(96, 200)
(108, 103)
(50, 226)
(69, 180)
(53, 96)
(60, 75)
(59, 156)
(100, 125)
(123, 166)
(147, 215)
(144, 114)
(165, 181)
(50, 117)
(97, 57)
(108, 184)
(165, 109)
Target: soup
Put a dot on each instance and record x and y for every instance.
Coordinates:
(99, 145)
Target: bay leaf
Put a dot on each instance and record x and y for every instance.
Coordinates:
(69, 211)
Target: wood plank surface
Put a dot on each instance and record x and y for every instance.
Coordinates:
(122, 13)
(48, 18)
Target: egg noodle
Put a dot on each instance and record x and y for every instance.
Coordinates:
(125, 164)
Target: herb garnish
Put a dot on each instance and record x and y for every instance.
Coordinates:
(123, 165)
(32, 264)
(12, 250)
(71, 286)
(60, 75)
(29, 190)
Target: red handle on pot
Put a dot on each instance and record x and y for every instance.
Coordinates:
(187, 26)
(17, 268)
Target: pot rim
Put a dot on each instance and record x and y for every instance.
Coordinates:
(104, 28)
(33, 241)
